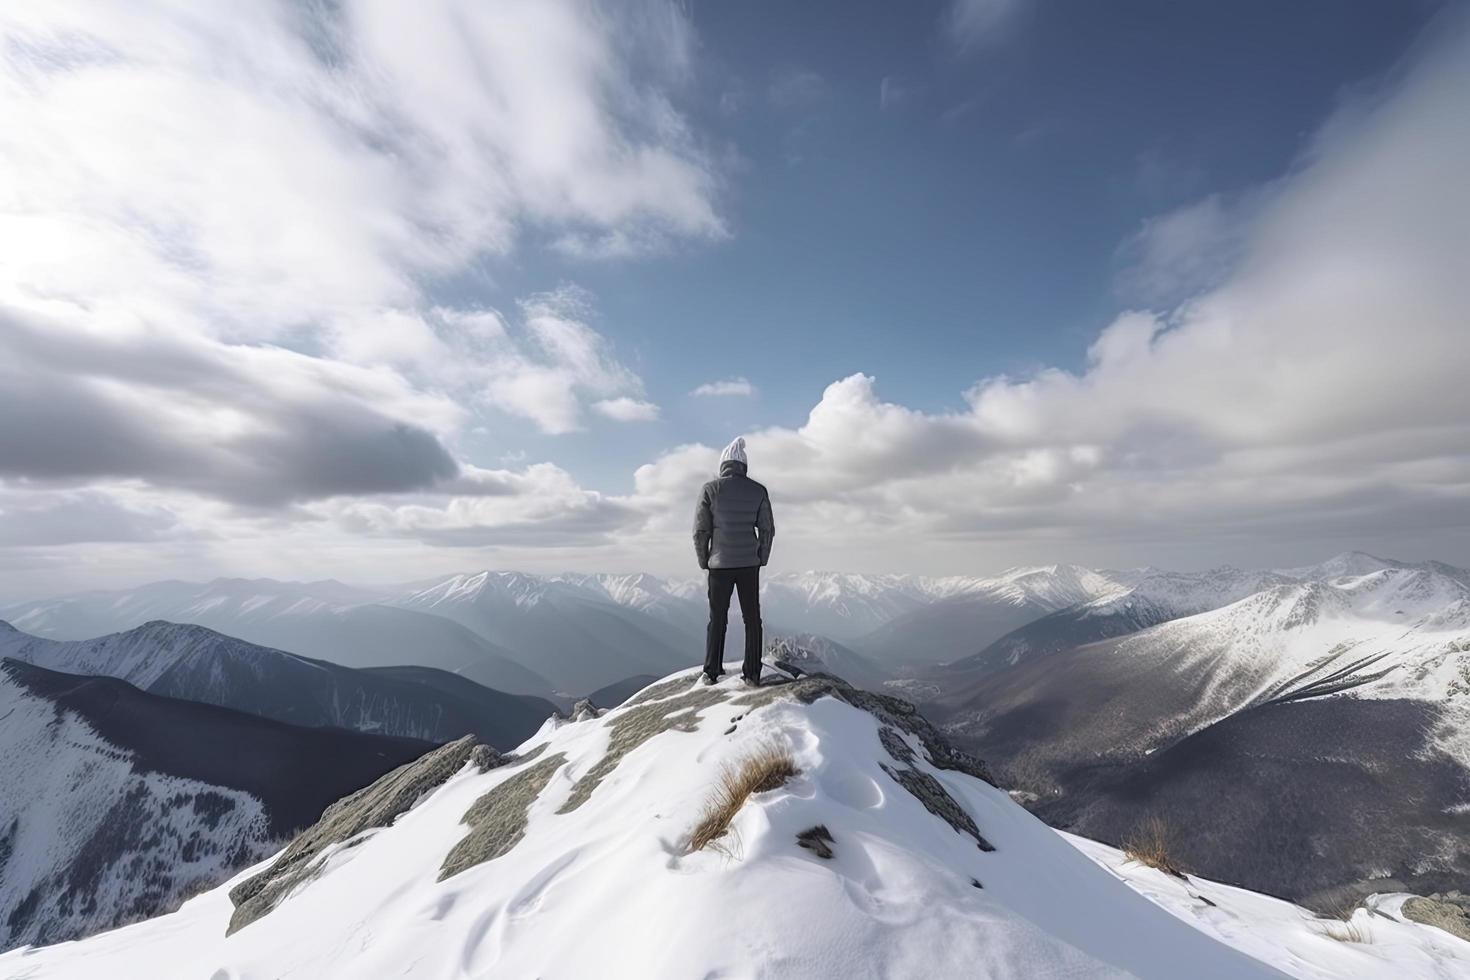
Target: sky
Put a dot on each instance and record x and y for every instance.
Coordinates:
(378, 291)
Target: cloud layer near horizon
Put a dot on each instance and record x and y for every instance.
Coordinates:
(189, 390)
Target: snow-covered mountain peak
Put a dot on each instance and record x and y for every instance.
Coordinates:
(518, 588)
(635, 590)
(899, 859)
(1349, 563)
(1056, 586)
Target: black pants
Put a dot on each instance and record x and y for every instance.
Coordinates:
(723, 581)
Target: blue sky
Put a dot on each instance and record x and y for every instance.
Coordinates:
(379, 291)
(972, 226)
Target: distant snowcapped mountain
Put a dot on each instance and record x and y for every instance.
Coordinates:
(88, 614)
(965, 613)
(570, 632)
(1391, 633)
(1300, 659)
(1155, 597)
(197, 664)
(326, 620)
(117, 804)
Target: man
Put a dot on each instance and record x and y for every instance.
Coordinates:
(733, 529)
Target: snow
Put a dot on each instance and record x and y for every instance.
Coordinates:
(1375, 942)
(609, 890)
(1391, 633)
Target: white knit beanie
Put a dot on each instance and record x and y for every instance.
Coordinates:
(735, 451)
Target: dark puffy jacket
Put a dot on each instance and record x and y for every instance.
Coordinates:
(733, 526)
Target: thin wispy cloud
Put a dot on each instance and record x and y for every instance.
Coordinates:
(627, 409)
(729, 387)
(796, 88)
(893, 92)
(972, 22)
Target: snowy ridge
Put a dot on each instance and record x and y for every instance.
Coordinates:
(140, 656)
(252, 600)
(1387, 634)
(197, 664)
(904, 894)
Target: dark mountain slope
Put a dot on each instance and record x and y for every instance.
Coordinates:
(118, 803)
(1303, 799)
(296, 771)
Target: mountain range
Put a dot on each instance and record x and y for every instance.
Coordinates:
(326, 620)
(197, 664)
(1284, 689)
(1313, 735)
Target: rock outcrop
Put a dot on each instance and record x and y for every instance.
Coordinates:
(374, 806)
(637, 724)
(895, 712)
(497, 820)
(1443, 912)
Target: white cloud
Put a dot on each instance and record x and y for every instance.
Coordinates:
(627, 409)
(727, 387)
(796, 88)
(892, 92)
(274, 164)
(540, 504)
(1187, 250)
(277, 173)
(216, 233)
(1316, 394)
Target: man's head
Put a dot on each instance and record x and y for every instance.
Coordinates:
(733, 458)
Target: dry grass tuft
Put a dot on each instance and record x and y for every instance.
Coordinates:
(768, 769)
(1344, 932)
(1149, 844)
(1337, 923)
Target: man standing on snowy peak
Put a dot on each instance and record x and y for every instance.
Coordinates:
(733, 529)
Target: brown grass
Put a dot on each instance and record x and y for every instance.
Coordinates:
(767, 769)
(1150, 844)
(1337, 923)
(1344, 932)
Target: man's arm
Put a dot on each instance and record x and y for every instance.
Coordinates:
(703, 527)
(765, 523)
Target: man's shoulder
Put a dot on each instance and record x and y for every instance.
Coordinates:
(757, 485)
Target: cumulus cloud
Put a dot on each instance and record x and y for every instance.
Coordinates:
(728, 387)
(1316, 392)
